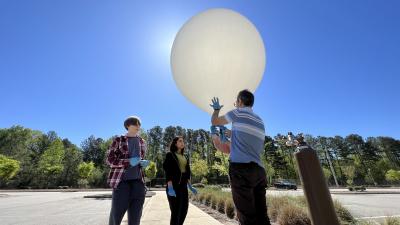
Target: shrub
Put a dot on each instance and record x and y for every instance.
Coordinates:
(221, 205)
(392, 221)
(359, 188)
(207, 199)
(275, 205)
(343, 214)
(83, 183)
(204, 181)
(198, 185)
(214, 202)
(201, 197)
(351, 188)
(215, 187)
(362, 222)
(193, 197)
(293, 215)
(230, 208)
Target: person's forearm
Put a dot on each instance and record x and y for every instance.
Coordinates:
(214, 116)
(223, 147)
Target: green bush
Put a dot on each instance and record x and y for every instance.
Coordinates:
(204, 181)
(351, 188)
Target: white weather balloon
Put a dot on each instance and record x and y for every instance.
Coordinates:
(217, 53)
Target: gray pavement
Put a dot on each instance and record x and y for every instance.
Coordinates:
(62, 208)
(70, 208)
(50, 208)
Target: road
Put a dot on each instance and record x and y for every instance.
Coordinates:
(361, 205)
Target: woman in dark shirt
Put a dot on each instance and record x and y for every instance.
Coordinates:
(177, 173)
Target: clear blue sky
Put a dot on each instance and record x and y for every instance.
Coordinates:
(80, 67)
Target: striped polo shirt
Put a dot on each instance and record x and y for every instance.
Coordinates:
(248, 135)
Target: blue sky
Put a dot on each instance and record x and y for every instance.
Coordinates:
(81, 67)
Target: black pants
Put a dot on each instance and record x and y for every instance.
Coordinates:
(179, 205)
(129, 195)
(248, 183)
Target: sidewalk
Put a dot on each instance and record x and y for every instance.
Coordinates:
(156, 212)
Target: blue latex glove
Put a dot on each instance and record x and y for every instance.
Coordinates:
(134, 161)
(171, 191)
(222, 135)
(144, 163)
(215, 104)
(214, 130)
(194, 191)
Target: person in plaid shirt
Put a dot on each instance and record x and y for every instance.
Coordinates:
(126, 159)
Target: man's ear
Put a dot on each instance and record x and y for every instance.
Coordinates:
(240, 103)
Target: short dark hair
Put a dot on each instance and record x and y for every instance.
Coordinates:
(172, 147)
(132, 120)
(246, 97)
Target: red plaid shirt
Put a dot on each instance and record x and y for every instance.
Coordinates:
(118, 159)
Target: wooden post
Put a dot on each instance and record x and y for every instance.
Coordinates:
(315, 188)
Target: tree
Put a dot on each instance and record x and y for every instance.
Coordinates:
(151, 171)
(285, 158)
(327, 174)
(392, 176)
(94, 150)
(51, 163)
(221, 164)
(378, 170)
(355, 143)
(154, 150)
(199, 167)
(8, 168)
(169, 134)
(85, 170)
(391, 149)
(71, 161)
(349, 171)
(14, 141)
(269, 171)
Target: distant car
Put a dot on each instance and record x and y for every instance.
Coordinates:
(285, 185)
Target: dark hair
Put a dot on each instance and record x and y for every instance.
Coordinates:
(246, 97)
(132, 120)
(172, 147)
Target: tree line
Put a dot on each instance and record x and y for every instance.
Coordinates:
(33, 159)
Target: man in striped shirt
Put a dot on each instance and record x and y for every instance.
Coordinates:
(246, 170)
